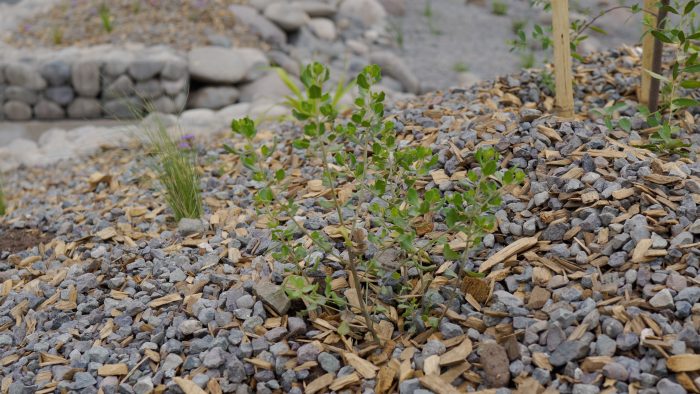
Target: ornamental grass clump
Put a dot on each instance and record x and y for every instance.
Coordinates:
(177, 171)
(374, 184)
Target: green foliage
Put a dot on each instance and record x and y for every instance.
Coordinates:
(57, 35)
(681, 35)
(389, 210)
(106, 17)
(527, 60)
(429, 16)
(3, 206)
(460, 67)
(547, 80)
(499, 7)
(177, 172)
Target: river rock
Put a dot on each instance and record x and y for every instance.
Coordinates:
(287, 16)
(260, 25)
(85, 77)
(213, 97)
(224, 65)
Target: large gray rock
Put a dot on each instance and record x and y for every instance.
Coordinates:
(166, 105)
(287, 16)
(394, 66)
(22, 94)
(145, 68)
(323, 28)
(148, 90)
(317, 8)
(115, 67)
(260, 25)
(46, 109)
(17, 110)
(174, 87)
(213, 97)
(394, 7)
(225, 65)
(24, 75)
(56, 72)
(269, 86)
(366, 12)
(124, 108)
(84, 108)
(62, 95)
(174, 69)
(123, 86)
(86, 78)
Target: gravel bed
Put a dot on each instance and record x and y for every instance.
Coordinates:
(591, 280)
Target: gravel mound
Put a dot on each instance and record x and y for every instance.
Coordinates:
(591, 280)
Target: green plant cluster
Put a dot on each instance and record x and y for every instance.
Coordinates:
(175, 165)
(374, 184)
(680, 34)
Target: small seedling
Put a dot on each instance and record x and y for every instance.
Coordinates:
(57, 35)
(527, 60)
(428, 13)
(460, 67)
(106, 17)
(499, 8)
(3, 206)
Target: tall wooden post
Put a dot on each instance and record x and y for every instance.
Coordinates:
(647, 52)
(564, 100)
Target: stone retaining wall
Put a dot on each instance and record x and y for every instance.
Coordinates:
(101, 82)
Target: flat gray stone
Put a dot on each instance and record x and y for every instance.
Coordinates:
(85, 77)
(224, 65)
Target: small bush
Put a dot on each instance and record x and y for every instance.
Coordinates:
(370, 174)
(177, 172)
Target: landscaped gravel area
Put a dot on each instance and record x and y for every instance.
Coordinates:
(590, 281)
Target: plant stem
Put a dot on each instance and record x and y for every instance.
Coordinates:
(351, 256)
(656, 61)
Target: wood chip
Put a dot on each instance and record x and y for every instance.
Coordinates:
(513, 249)
(684, 362)
(386, 376)
(319, 383)
(437, 384)
(165, 300)
(458, 353)
(113, 370)
(364, 367)
(188, 386)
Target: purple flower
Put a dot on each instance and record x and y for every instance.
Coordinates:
(183, 145)
(187, 137)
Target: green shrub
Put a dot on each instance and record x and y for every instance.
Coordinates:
(177, 172)
(379, 177)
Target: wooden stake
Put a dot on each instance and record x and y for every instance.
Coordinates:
(647, 52)
(564, 100)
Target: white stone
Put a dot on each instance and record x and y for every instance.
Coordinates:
(269, 86)
(323, 28)
(662, 299)
(367, 12)
(287, 16)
